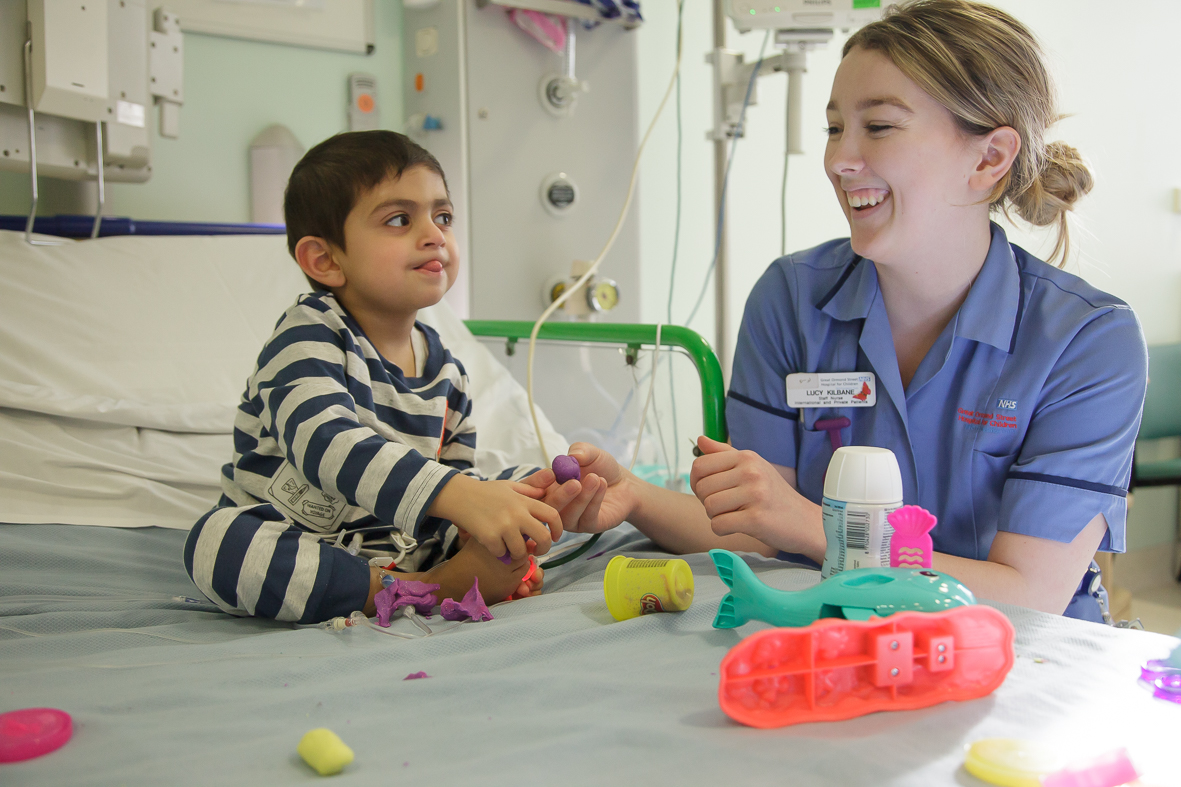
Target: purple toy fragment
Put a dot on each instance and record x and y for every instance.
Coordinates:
(472, 606)
(404, 593)
(566, 468)
(416, 676)
(506, 558)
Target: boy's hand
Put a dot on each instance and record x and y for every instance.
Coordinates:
(606, 498)
(499, 514)
(497, 581)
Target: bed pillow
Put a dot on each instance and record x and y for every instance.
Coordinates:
(124, 359)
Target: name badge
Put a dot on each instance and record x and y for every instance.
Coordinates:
(832, 389)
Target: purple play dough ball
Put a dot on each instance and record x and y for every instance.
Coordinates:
(566, 468)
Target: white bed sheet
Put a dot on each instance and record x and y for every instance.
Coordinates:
(553, 691)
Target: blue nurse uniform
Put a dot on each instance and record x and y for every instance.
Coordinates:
(1021, 418)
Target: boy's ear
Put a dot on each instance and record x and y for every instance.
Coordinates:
(314, 256)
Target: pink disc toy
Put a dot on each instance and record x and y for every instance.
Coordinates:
(32, 732)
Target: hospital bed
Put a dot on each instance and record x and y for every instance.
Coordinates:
(121, 361)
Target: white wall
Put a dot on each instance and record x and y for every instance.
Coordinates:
(1116, 82)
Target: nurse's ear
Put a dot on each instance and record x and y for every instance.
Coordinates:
(998, 150)
(316, 259)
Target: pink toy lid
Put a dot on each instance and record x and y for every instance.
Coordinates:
(32, 732)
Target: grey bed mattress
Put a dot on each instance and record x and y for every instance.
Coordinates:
(553, 691)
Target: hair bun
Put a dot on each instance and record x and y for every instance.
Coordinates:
(1063, 181)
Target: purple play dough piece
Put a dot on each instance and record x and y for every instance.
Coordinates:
(506, 558)
(416, 676)
(472, 606)
(403, 593)
(566, 468)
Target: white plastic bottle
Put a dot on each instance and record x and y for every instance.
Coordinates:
(863, 485)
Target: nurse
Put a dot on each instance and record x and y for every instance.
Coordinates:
(1009, 390)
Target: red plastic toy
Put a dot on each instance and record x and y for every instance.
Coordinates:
(838, 669)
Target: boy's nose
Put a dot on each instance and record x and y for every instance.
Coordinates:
(433, 236)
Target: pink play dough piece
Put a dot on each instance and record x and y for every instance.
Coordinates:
(472, 606)
(32, 732)
(566, 468)
(402, 593)
(416, 676)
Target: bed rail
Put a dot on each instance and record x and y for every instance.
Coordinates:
(632, 336)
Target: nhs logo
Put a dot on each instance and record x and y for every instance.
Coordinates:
(1006, 404)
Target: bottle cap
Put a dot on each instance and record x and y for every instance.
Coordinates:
(863, 474)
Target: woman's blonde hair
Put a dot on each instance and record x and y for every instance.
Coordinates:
(987, 69)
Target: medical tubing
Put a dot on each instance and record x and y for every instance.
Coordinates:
(783, 199)
(648, 401)
(578, 285)
(754, 75)
(672, 273)
(590, 542)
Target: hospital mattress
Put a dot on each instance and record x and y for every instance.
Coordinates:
(553, 691)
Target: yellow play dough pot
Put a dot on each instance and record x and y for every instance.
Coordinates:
(640, 587)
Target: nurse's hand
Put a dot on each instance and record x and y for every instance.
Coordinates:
(744, 493)
(607, 497)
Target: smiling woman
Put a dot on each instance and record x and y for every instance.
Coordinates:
(938, 116)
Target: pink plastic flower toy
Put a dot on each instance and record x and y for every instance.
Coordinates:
(910, 546)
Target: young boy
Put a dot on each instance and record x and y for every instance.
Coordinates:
(353, 443)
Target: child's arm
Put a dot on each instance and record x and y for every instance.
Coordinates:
(611, 495)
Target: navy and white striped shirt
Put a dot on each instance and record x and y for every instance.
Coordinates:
(334, 438)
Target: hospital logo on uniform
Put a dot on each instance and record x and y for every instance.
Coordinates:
(996, 421)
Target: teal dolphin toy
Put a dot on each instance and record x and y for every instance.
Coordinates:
(857, 594)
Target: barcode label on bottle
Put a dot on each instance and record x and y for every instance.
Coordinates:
(857, 529)
(858, 536)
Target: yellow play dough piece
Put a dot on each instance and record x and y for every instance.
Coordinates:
(1011, 763)
(324, 751)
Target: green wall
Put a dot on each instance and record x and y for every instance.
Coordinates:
(233, 90)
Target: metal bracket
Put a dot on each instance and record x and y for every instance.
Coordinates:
(166, 55)
(32, 143)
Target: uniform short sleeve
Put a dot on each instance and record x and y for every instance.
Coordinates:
(1076, 459)
(757, 414)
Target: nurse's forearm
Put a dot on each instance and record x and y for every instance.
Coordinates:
(678, 523)
(993, 581)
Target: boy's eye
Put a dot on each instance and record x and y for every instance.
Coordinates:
(401, 220)
(832, 131)
(873, 128)
(444, 219)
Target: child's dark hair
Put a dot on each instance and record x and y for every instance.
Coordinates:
(332, 176)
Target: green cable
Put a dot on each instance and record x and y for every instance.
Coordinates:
(582, 550)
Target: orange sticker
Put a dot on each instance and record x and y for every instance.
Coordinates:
(365, 103)
(419, 82)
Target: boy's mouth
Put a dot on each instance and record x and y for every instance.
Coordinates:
(431, 266)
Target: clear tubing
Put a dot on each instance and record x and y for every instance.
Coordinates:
(578, 285)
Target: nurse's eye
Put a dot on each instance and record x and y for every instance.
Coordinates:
(401, 220)
(444, 219)
(874, 128)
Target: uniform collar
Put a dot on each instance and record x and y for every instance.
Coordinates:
(989, 314)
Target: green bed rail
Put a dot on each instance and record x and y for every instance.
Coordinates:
(633, 336)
